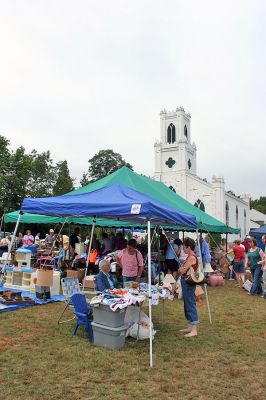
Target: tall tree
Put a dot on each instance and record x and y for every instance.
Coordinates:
(64, 183)
(85, 179)
(104, 163)
(42, 175)
(4, 169)
(16, 178)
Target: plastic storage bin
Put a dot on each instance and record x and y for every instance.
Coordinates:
(104, 316)
(108, 337)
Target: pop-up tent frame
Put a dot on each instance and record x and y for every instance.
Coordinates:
(114, 202)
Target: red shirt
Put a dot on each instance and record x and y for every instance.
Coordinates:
(239, 253)
(247, 245)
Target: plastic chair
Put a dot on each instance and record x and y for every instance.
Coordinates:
(69, 287)
(83, 312)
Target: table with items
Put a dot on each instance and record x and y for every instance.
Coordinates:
(116, 316)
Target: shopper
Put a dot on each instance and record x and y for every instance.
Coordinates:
(28, 239)
(255, 261)
(264, 268)
(239, 262)
(171, 257)
(188, 290)
(104, 280)
(131, 262)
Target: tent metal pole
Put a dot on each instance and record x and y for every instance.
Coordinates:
(2, 219)
(69, 256)
(159, 255)
(89, 252)
(4, 224)
(149, 281)
(205, 285)
(12, 240)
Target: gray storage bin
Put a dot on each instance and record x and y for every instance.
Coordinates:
(106, 336)
(104, 316)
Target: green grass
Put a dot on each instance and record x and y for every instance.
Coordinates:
(42, 360)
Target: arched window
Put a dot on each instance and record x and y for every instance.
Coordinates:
(199, 204)
(172, 188)
(226, 213)
(236, 216)
(171, 136)
(185, 131)
(245, 223)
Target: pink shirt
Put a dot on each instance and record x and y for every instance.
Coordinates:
(130, 263)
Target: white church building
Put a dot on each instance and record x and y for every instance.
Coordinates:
(176, 166)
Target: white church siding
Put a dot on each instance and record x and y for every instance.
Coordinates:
(176, 166)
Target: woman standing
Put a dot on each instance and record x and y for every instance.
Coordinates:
(188, 290)
(239, 262)
(131, 262)
(255, 258)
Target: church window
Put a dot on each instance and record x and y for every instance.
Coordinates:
(189, 164)
(226, 213)
(172, 188)
(236, 216)
(171, 135)
(199, 204)
(170, 162)
(185, 131)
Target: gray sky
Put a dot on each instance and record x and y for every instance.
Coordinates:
(79, 76)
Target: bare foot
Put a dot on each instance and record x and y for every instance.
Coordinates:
(191, 334)
(187, 330)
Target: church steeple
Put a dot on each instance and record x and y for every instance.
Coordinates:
(175, 153)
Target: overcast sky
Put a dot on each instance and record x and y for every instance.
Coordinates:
(79, 76)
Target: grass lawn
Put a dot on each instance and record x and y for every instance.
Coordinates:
(41, 360)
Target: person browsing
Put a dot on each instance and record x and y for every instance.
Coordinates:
(188, 290)
(104, 279)
(131, 262)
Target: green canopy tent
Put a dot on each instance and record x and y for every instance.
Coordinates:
(47, 219)
(150, 187)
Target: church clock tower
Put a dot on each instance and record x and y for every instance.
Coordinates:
(174, 154)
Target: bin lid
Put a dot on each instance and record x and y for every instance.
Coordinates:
(110, 328)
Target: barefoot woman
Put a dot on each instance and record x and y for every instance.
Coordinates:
(188, 290)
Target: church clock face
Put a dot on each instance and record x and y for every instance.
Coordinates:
(170, 162)
(189, 164)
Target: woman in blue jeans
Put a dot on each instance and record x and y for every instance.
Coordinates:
(188, 291)
(255, 259)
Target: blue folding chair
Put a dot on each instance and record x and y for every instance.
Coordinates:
(83, 312)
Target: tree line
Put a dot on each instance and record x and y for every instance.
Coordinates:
(35, 174)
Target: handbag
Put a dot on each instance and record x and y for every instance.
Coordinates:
(194, 277)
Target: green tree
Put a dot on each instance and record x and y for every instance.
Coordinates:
(16, 179)
(85, 180)
(64, 183)
(104, 163)
(259, 204)
(42, 175)
(4, 170)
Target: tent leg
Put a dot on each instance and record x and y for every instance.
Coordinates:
(89, 252)
(149, 280)
(205, 286)
(12, 243)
